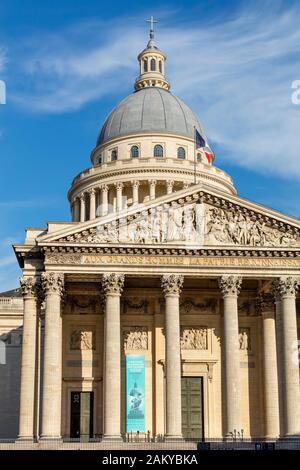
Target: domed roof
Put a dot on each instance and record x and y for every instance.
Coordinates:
(150, 110)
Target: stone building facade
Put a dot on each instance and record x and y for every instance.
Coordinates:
(162, 259)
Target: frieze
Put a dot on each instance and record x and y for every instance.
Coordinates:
(202, 261)
(208, 306)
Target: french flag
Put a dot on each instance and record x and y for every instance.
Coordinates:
(203, 146)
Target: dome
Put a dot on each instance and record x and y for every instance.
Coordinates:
(150, 110)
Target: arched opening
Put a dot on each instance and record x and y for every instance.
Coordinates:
(181, 153)
(160, 66)
(199, 157)
(114, 155)
(134, 151)
(145, 65)
(153, 67)
(158, 151)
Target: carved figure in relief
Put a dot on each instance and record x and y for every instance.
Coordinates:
(227, 227)
(244, 340)
(136, 339)
(82, 340)
(193, 338)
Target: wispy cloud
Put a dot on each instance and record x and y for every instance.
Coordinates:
(235, 72)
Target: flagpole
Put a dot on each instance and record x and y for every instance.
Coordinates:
(195, 161)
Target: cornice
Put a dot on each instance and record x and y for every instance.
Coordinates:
(93, 180)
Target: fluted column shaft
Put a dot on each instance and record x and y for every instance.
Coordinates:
(230, 287)
(170, 185)
(28, 361)
(76, 214)
(104, 200)
(82, 208)
(172, 285)
(135, 192)
(270, 376)
(52, 373)
(112, 285)
(92, 204)
(290, 361)
(119, 187)
(152, 189)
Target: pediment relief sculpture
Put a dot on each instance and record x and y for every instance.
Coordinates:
(196, 224)
(135, 338)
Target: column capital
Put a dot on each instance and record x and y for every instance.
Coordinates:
(172, 284)
(104, 187)
(113, 283)
(153, 182)
(286, 286)
(230, 285)
(29, 286)
(92, 191)
(53, 283)
(170, 183)
(82, 196)
(119, 185)
(135, 183)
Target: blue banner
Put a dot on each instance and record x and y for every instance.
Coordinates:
(135, 393)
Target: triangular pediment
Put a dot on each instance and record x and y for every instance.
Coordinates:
(196, 217)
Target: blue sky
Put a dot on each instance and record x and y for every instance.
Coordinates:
(67, 63)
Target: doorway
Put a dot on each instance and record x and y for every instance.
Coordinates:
(82, 405)
(192, 407)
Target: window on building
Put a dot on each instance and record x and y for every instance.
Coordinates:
(160, 66)
(181, 153)
(100, 160)
(134, 151)
(114, 155)
(145, 65)
(158, 151)
(153, 65)
(199, 157)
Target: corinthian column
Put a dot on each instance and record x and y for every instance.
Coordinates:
(172, 285)
(112, 285)
(52, 284)
(82, 207)
(135, 192)
(92, 194)
(270, 376)
(170, 185)
(28, 362)
(230, 287)
(76, 214)
(290, 362)
(119, 187)
(152, 184)
(104, 199)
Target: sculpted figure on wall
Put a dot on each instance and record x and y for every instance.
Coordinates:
(136, 338)
(168, 223)
(237, 228)
(82, 340)
(193, 338)
(244, 339)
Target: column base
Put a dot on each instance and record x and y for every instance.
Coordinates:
(25, 439)
(112, 438)
(172, 438)
(50, 439)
